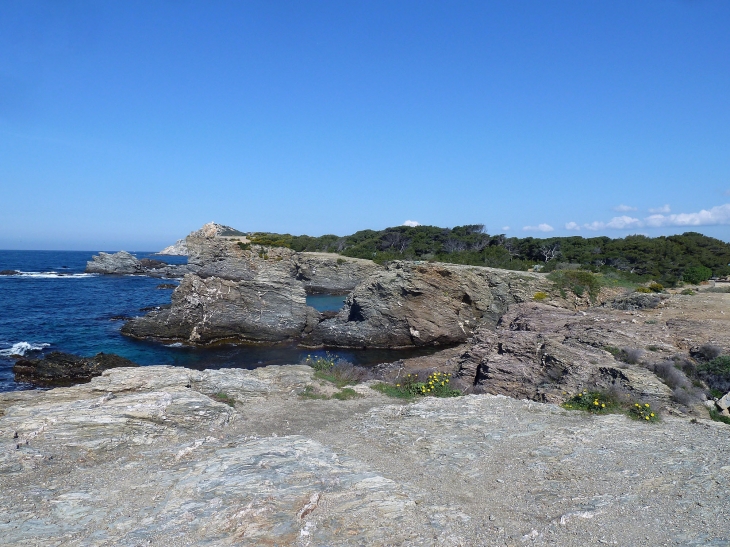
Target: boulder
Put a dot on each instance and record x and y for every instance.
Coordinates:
(418, 304)
(117, 263)
(204, 310)
(58, 369)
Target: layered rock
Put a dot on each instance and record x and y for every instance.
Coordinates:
(268, 308)
(418, 304)
(57, 369)
(331, 273)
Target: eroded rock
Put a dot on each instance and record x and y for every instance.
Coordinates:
(58, 368)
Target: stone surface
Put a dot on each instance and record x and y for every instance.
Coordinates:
(418, 304)
(58, 368)
(264, 309)
(331, 273)
(117, 263)
(179, 248)
(147, 456)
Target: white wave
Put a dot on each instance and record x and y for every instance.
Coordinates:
(52, 275)
(21, 348)
(175, 345)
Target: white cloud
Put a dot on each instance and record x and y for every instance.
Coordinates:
(411, 223)
(624, 208)
(712, 217)
(616, 223)
(572, 226)
(539, 228)
(664, 209)
(505, 228)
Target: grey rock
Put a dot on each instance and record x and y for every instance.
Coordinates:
(331, 273)
(418, 304)
(724, 402)
(203, 310)
(179, 248)
(637, 301)
(117, 263)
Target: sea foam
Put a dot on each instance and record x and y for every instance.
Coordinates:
(21, 348)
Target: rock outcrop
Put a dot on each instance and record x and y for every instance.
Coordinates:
(63, 369)
(179, 248)
(331, 273)
(117, 263)
(150, 456)
(417, 304)
(268, 308)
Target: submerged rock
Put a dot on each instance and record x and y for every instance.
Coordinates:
(58, 368)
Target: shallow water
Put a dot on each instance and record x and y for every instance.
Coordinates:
(53, 306)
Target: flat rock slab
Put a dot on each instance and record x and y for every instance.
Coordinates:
(148, 457)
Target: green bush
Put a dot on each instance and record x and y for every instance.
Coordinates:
(656, 287)
(244, 246)
(578, 281)
(696, 274)
(540, 296)
(643, 413)
(591, 401)
(688, 292)
(644, 290)
(716, 373)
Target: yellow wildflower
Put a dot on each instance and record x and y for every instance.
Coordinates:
(646, 405)
(647, 417)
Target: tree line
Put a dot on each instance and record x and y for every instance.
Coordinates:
(690, 256)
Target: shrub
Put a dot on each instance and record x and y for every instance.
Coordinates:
(643, 413)
(696, 274)
(709, 351)
(337, 371)
(656, 287)
(716, 416)
(244, 246)
(591, 401)
(345, 394)
(437, 384)
(539, 296)
(578, 281)
(643, 289)
(688, 292)
(716, 373)
(340, 261)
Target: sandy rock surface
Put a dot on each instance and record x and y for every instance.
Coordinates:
(148, 456)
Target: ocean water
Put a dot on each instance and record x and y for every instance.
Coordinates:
(52, 305)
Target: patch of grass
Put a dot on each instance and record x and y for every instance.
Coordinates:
(591, 401)
(688, 292)
(345, 394)
(645, 290)
(716, 416)
(540, 296)
(224, 398)
(437, 384)
(643, 413)
(310, 393)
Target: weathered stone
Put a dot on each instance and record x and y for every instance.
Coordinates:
(179, 248)
(637, 301)
(418, 304)
(724, 402)
(58, 368)
(331, 273)
(117, 263)
(265, 309)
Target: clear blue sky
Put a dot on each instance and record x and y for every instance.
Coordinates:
(128, 124)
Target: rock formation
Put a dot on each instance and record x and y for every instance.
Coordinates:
(418, 304)
(268, 308)
(179, 248)
(331, 273)
(151, 456)
(59, 369)
(117, 263)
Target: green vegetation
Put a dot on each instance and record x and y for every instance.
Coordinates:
(690, 257)
(656, 287)
(688, 292)
(578, 281)
(224, 398)
(244, 246)
(591, 401)
(717, 417)
(437, 384)
(696, 274)
(716, 374)
(643, 413)
(540, 296)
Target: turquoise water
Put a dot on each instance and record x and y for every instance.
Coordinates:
(53, 306)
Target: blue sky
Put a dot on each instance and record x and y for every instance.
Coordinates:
(129, 124)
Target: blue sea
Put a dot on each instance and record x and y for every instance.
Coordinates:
(52, 305)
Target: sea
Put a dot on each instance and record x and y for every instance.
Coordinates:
(52, 305)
